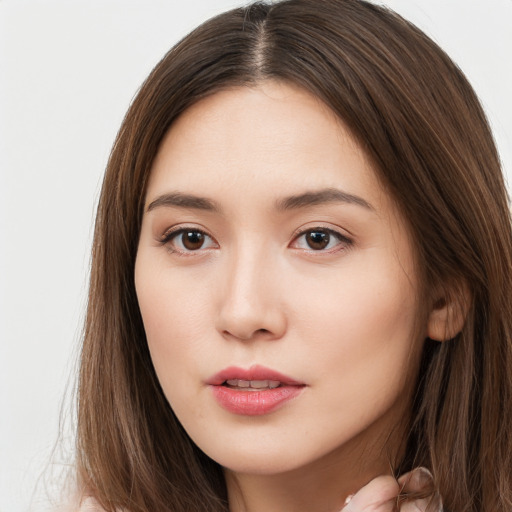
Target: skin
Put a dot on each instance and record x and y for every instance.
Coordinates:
(341, 320)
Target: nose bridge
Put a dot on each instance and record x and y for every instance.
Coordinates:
(250, 302)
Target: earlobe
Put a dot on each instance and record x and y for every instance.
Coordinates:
(448, 315)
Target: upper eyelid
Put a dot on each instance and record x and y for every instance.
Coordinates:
(339, 232)
(180, 228)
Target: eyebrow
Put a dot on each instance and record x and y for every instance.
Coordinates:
(304, 200)
(183, 201)
(316, 197)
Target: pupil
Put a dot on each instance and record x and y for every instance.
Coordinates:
(317, 240)
(193, 240)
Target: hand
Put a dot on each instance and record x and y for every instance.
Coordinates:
(384, 494)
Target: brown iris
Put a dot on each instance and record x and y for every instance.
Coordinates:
(192, 240)
(318, 240)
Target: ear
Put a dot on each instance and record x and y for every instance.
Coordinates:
(448, 313)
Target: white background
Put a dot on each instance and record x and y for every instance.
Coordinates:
(68, 70)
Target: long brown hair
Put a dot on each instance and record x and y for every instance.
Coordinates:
(416, 116)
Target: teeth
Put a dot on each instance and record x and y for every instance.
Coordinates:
(239, 383)
(260, 384)
(253, 384)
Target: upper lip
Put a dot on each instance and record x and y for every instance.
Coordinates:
(255, 372)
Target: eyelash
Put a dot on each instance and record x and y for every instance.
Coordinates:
(342, 240)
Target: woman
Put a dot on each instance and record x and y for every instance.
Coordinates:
(301, 277)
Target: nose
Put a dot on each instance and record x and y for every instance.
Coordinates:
(250, 305)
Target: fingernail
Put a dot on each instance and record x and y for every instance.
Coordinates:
(424, 476)
(349, 497)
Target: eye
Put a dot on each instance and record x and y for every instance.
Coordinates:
(321, 239)
(186, 240)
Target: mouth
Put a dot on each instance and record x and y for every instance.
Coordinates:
(256, 377)
(253, 392)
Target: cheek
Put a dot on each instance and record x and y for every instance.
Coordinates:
(368, 298)
(173, 312)
(362, 329)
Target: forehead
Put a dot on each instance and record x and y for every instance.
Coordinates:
(274, 135)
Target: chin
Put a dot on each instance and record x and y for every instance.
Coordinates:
(256, 456)
(262, 465)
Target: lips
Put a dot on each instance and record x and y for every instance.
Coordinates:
(252, 392)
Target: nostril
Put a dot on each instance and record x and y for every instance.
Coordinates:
(258, 333)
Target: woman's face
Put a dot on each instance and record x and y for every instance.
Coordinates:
(276, 282)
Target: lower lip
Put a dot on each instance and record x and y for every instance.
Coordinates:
(254, 403)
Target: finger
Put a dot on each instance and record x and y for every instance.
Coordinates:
(419, 480)
(378, 496)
